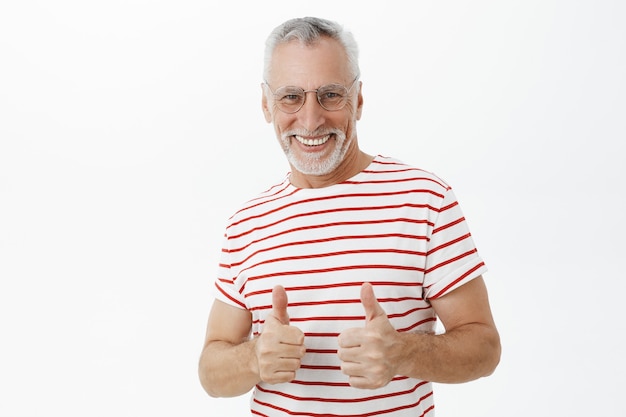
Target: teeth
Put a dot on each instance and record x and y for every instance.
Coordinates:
(312, 142)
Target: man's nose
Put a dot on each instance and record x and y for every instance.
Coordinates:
(312, 114)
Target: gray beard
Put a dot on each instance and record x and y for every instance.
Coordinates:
(312, 163)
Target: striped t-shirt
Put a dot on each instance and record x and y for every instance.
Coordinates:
(395, 226)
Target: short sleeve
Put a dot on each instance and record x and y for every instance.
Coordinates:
(452, 258)
(224, 288)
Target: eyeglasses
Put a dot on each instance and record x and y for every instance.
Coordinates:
(331, 97)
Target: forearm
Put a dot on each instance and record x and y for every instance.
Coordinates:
(466, 353)
(228, 370)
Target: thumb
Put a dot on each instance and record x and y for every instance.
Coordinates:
(279, 304)
(370, 303)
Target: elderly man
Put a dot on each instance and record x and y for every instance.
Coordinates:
(331, 282)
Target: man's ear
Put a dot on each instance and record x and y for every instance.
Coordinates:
(265, 105)
(359, 105)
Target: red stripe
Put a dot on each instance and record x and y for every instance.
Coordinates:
(328, 302)
(451, 260)
(410, 179)
(461, 278)
(330, 254)
(339, 285)
(299, 229)
(229, 297)
(449, 243)
(321, 367)
(343, 400)
(323, 271)
(353, 318)
(445, 226)
(273, 191)
(369, 414)
(285, 184)
(322, 351)
(327, 240)
(333, 197)
(311, 334)
(406, 313)
(419, 323)
(327, 318)
(449, 206)
(336, 269)
(268, 225)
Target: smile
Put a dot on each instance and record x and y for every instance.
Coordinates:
(312, 142)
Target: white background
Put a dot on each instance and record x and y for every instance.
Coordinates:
(130, 130)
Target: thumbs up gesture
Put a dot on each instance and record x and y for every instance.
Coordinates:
(280, 347)
(366, 352)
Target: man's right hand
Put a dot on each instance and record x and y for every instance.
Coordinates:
(280, 347)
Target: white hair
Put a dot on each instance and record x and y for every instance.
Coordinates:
(308, 30)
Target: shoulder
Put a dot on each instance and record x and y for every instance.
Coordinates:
(395, 169)
(263, 202)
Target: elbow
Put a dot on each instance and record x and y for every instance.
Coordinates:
(205, 382)
(218, 384)
(212, 388)
(212, 393)
(209, 390)
(494, 353)
(206, 375)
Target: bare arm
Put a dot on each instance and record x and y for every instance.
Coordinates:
(469, 349)
(227, 365)
(231, 363)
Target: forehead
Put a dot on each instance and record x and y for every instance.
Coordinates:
(309, 66)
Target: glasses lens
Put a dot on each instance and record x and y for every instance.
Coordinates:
(289, 99)
(333, 96)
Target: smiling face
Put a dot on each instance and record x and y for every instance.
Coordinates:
(320, 145)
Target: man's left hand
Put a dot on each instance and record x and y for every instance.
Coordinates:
(365, 352)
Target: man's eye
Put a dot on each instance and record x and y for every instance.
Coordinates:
(331, 95)
(290, 97)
